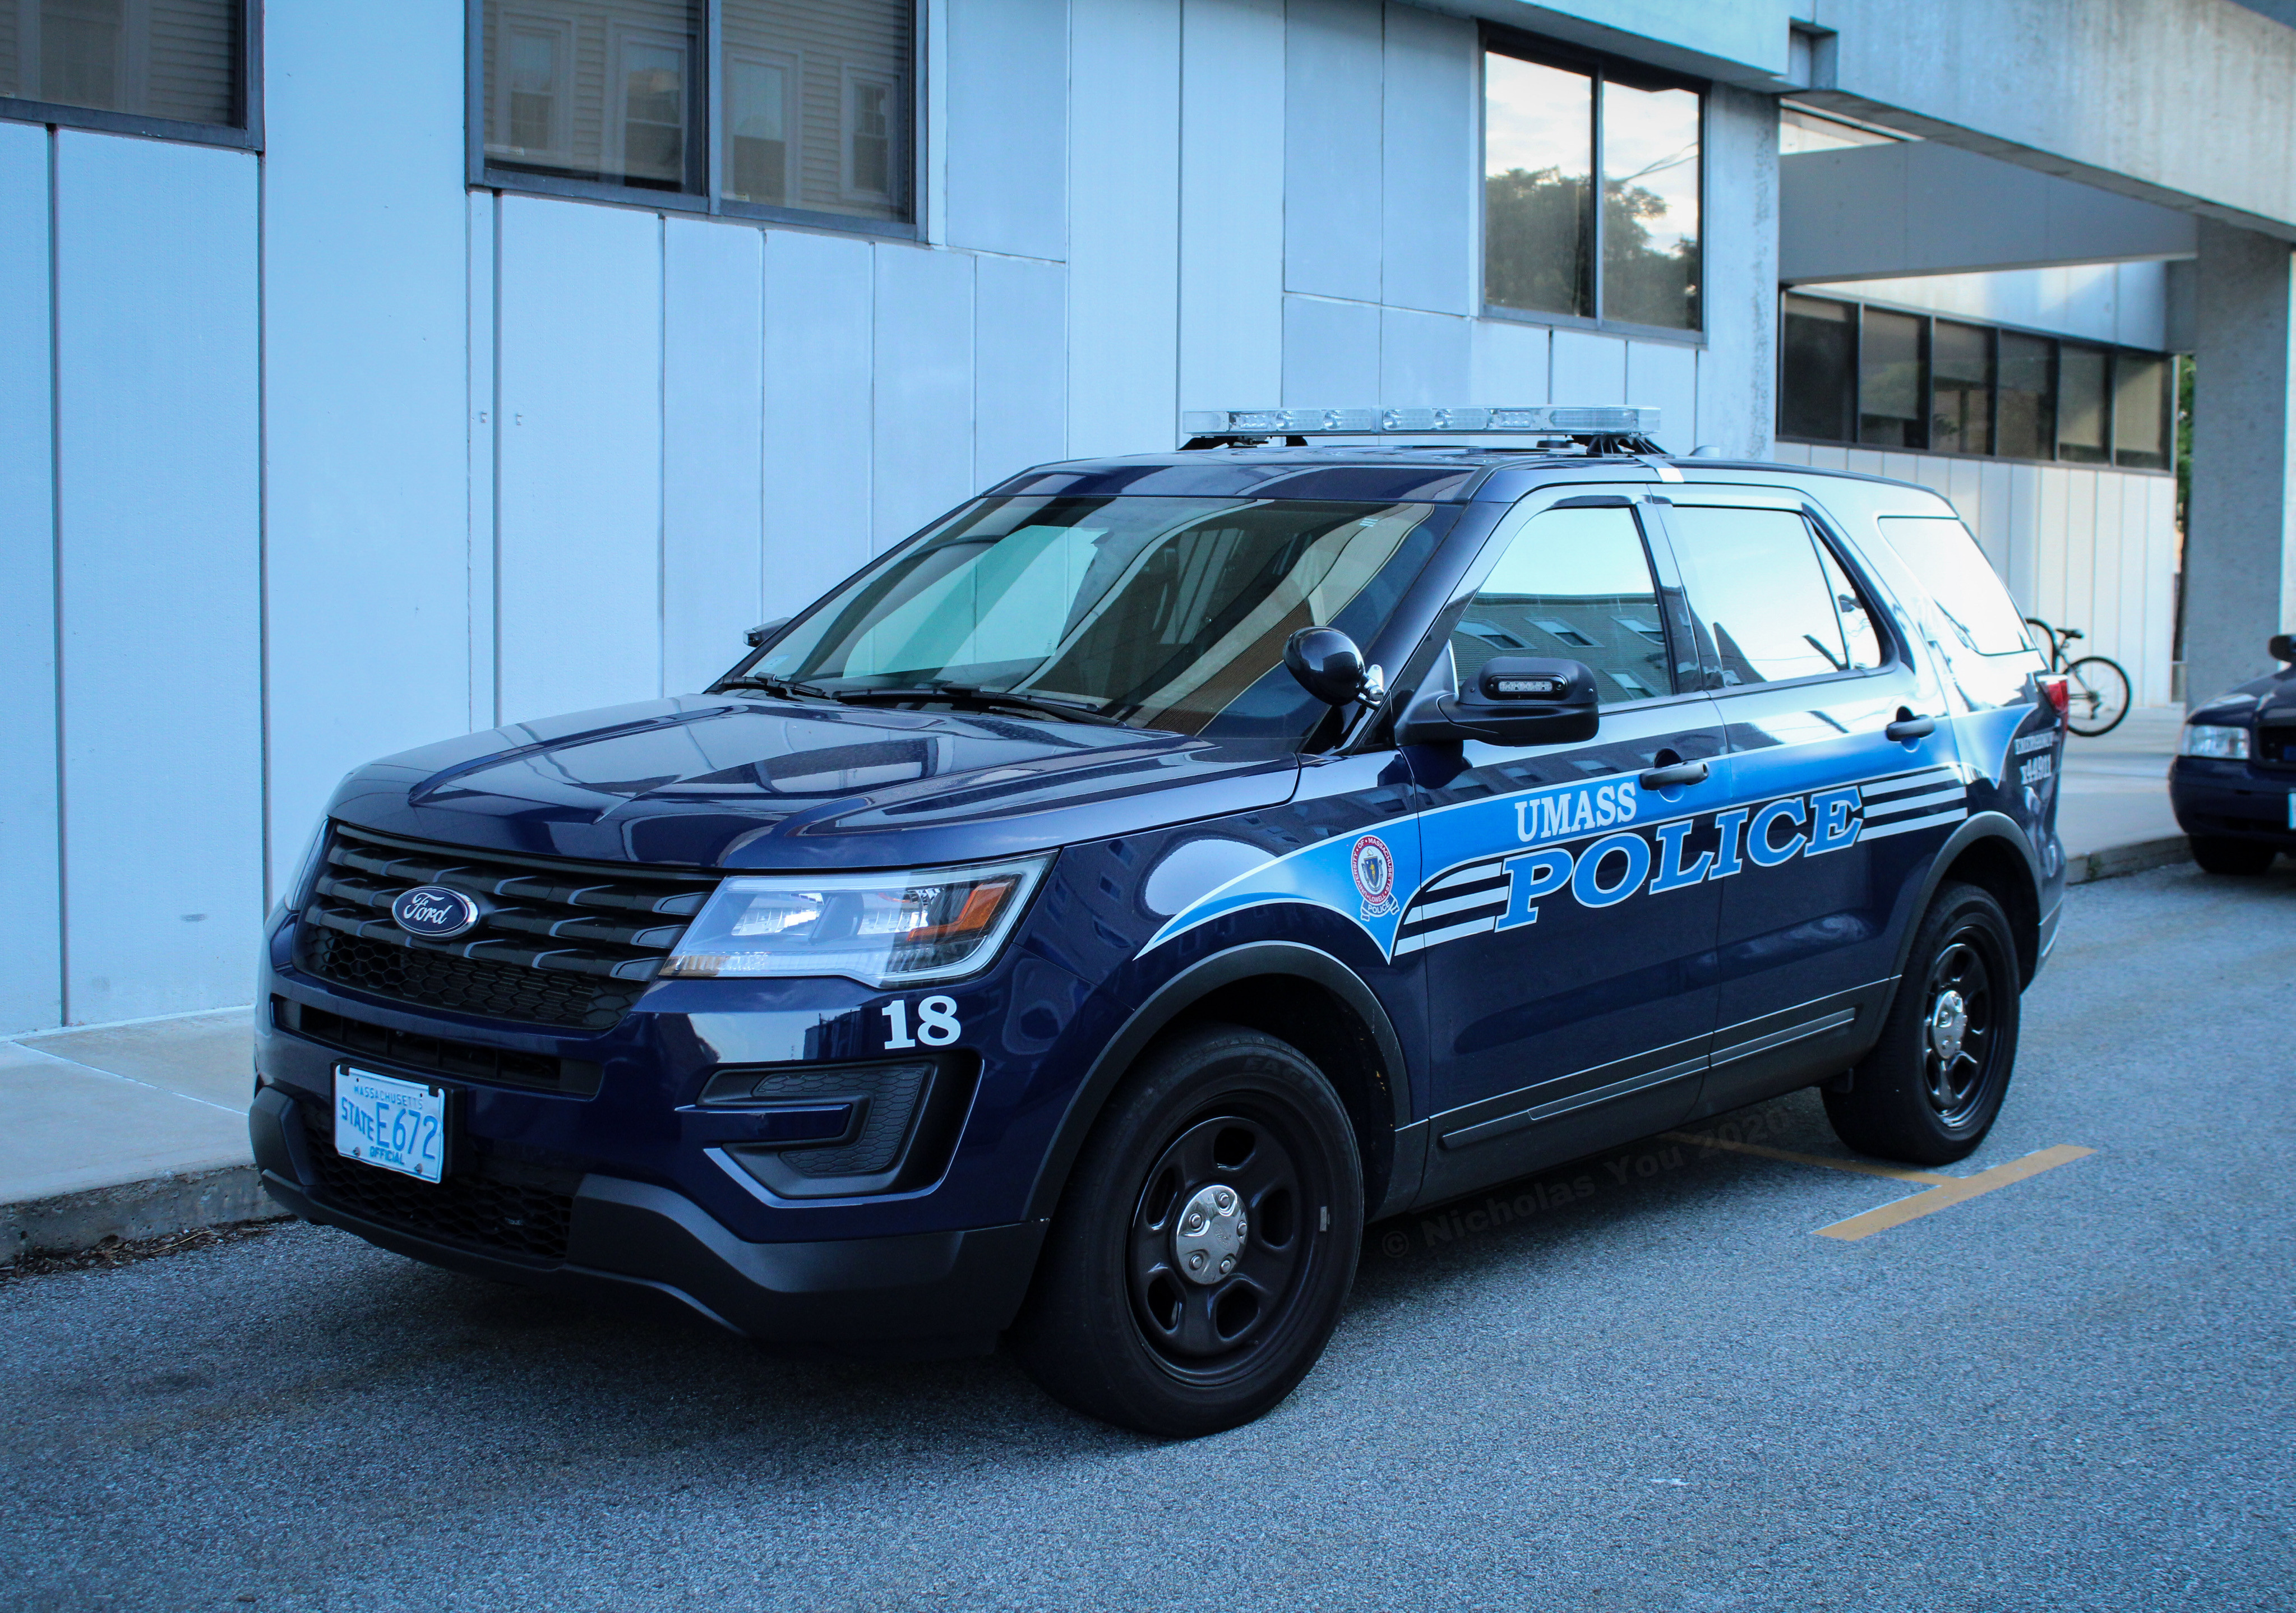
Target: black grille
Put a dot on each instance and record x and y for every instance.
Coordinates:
(2276, 746)
(576, 1077)
(568, 943)
(479, 1211)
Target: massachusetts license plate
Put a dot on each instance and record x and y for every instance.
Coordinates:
(400, 1125)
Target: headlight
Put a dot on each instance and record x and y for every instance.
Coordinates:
(880, 929)
(2214, 738)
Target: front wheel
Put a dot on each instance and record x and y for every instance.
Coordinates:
(2098, 696)
(1932, 1086)
(1205, 1243)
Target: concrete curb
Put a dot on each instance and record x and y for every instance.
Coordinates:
(2116, 859)
(149, 1208)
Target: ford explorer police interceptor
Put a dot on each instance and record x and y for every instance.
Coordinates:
(1074, 927)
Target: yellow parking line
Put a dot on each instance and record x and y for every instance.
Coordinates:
(1944, 1191)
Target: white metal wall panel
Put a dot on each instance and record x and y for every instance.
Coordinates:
(580, 494)
(2160, 591)
(713, 427)
(1330, 354)
(1507, 363)
(2101, 619)
(1124, 223)
(159, 561)
(2024, 504)
(2080, 550)
(1589, 369)
(1664, 375)
(819, 315)
(1006, 83)
(1332, 143)
(1231, 203)
(31, 961)
(1424, 358)
(482, 437)
(2050, 544)
(1020, 368)
(924, 407)
(365, 547)
(1428, 117)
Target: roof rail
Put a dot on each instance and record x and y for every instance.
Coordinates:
(1592, 428)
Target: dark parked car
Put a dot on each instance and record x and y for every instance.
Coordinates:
(2234, 781)
(1078, 925)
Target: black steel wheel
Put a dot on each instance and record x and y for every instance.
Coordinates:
(1205, 1241)
(1933, 1085)
(2097, 696)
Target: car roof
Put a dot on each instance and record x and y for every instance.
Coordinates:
(1436, 472)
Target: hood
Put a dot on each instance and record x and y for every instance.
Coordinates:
(742, 782)
(2271, 697)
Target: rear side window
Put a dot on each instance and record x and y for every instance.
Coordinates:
(1938, 549)
(1574, 584)
(1755, 579)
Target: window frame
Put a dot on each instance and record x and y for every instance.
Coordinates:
(2113, 354)
(1497, 39)
(245, 133)
(706, 142)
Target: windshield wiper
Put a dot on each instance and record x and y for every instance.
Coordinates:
(785, 687)
(1077, 711)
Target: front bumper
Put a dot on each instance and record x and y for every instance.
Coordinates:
(911, 1295)
(2231, 799)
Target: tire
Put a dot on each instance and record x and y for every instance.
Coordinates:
(2100, 696)
(1114, 1327)
(2221, 854)
(1928, 1094)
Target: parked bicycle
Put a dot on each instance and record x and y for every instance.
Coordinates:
(2096, 688)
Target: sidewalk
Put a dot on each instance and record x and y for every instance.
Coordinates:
(138, 1130)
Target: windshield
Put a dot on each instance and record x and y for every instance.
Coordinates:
(1166, 613)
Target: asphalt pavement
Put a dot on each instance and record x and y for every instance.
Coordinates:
(1645, 1385)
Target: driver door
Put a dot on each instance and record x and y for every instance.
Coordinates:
(1566, 931)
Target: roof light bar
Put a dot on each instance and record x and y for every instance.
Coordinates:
(1550, 420)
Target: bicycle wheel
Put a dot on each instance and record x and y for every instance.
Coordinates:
(2099, 688)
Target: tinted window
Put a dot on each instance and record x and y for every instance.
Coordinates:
(2028, 407)
(1938, 549)
(1858, 630)
(1649, 206)
(1818, 396)
(1961, 388)
(180, 59)
(1538, 162)
(1756, 580)
(2081, 425)
(1891, 362)
(1574, 584)
(2140, 412)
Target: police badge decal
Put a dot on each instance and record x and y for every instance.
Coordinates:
(1374, 870)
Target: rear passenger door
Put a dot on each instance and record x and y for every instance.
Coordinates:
(1829, 819)
(1566, 960)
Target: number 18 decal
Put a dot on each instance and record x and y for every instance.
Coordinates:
(937, 1023)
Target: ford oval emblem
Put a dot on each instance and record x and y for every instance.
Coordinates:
(434, 911)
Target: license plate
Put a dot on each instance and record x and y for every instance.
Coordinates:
(400, 1125)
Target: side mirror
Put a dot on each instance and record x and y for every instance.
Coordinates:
(1516, 700)
(1329, 666)
(2282, 647)
(763, 631)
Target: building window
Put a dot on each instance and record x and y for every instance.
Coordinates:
(1549, 248)
(173, 68)
(1853, 373)
(791, 108)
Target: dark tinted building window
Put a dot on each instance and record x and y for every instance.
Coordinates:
(2084, 424)
(180, 60)
(2027, 403)
(1818, 390)
(2140, 412)
(1540, 127)
(1892, 411)
(1961, 388)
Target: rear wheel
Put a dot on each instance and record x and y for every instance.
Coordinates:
(2220, 854)
(1932, 1086)
(2097, 695)
(1205, 1241)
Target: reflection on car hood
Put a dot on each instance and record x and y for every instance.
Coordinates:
(739, 782)
(2271, 697)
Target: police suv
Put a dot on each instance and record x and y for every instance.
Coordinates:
(1078, 925)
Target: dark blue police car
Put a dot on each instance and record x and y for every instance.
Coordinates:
(1074, 926)
(2233, 784)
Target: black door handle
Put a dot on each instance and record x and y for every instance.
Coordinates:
(1909, 727)
(1679, 772)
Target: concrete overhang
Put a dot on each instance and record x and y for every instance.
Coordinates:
(1875, 212)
